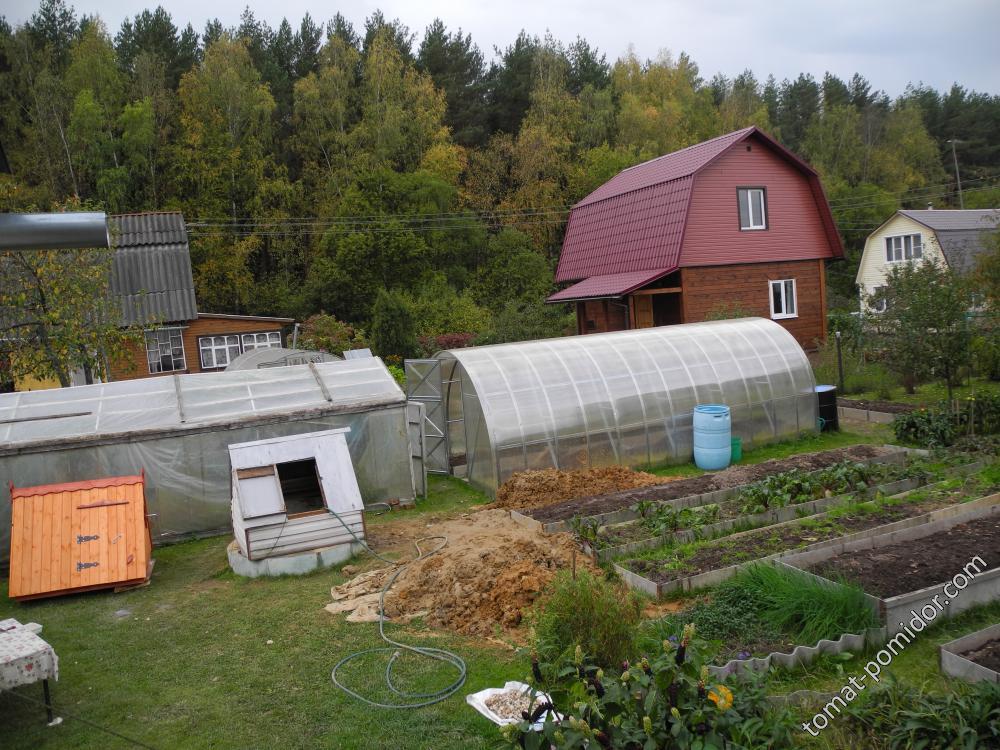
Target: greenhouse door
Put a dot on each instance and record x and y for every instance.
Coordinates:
(423, 384)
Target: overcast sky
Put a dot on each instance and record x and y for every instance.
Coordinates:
(888, 41)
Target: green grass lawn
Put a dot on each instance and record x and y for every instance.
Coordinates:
(931, 394)
(190, 666)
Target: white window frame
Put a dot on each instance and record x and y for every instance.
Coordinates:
(783, 285)
(272, 340)
(753, 226)
(215, 346)
(905, 246)
(174, 334)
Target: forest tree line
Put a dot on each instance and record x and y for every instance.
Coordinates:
(330, 168)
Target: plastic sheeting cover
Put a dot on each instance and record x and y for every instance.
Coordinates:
(621, 398)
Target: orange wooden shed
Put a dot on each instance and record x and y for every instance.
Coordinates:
(77, 536)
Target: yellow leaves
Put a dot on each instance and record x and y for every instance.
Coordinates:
(722, 697)
(446, 161)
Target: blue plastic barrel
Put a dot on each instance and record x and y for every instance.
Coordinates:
(712, 436)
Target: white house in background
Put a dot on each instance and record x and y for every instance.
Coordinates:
(954, 238)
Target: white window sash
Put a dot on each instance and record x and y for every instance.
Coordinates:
(756, 210)
(787, 299)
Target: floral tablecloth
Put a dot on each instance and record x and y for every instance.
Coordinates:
(24, 657)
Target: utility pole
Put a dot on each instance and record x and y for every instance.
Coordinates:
(958, 179)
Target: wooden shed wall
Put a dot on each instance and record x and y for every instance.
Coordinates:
(52, 535)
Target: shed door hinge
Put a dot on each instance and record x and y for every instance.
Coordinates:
(84, 565)
(81, 538)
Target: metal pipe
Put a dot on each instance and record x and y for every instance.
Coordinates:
(53, 231)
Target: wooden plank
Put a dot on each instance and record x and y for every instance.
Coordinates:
(132, 543)
(37, 546)
(256, 471)
(664, 290)
(17, 537)
(48, 541)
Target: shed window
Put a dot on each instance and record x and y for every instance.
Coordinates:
(270, 340)
(783, 302)
(300, 486)
(753, 208)
(165, 350)
(218, 351)
(903, 247)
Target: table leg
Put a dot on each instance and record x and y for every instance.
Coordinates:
(48, 699)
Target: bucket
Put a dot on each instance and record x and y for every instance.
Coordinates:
(712, 436)
(736, 450)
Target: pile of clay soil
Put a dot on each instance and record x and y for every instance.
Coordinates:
(534, 489)
(488, 575)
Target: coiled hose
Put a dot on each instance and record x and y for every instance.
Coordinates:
(412, 700)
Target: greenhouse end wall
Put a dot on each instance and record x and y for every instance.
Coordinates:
(622, 398)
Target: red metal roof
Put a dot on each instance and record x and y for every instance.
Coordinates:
(86, 484)
(665, 168)
(611, 285)
(636, 221)
(638, 232)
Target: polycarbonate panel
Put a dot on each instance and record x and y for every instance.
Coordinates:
(624, 397)
(128, 406)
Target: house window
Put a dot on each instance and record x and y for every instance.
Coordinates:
(783, 302)
(753, 208)
(165, 350)
(271, 340)
(903, 247)
(218, 351)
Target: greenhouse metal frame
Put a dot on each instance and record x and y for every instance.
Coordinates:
(615, 398)
(178, 428)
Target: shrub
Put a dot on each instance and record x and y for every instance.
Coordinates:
(728, 311)
(597, 615)
(665, 700)
(894, 717)
(327, 334)
(861, 375)
(392, 332)
(930, 428)
(986, 356)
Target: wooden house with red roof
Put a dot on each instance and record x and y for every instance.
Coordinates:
(737, 221)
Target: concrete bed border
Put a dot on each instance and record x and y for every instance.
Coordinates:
(898, 456)
(954, 664)
(776, 516)
(865, 415)
(984, 505)
(894, 611)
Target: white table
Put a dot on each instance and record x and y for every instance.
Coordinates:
(25, 658)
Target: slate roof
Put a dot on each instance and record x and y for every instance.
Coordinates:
(635, 221)
(151, 269)
(960, 233)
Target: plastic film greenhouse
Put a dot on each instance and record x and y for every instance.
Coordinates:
(178, 428)
(615, 398)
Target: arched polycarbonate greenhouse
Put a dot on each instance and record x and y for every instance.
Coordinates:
(616, 398)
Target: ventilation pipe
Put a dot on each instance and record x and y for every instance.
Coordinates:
(53, 231)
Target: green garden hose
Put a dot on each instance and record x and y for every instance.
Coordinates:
(415, 700)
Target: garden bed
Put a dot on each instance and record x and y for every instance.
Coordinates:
(974, 657)
(685, 567)
(615, 507)
(895, 569)
(690, 524)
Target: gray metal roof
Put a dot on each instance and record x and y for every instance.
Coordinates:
(949, 220)
(961, 234)
(151, 272)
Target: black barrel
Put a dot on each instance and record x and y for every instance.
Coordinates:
(827, 395)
